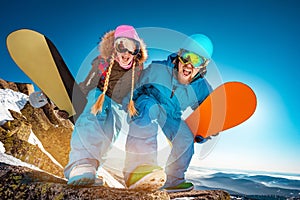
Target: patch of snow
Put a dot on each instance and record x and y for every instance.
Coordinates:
(2, 149)
(12, 100)
(10, 160)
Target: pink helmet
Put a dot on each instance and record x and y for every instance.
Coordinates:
(127, 32)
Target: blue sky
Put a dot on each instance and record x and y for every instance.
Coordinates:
(255, 42)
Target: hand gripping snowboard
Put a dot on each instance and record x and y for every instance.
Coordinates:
(227, 106)
(39, 59)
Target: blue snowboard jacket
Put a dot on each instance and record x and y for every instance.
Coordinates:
(159, 82)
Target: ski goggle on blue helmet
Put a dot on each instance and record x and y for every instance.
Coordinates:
(189, 57)
(123, 45)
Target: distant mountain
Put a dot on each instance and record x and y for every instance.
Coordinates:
(247, 183)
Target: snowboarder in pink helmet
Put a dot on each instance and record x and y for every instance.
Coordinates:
(117, 68)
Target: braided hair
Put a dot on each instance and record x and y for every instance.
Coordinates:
(99, 103)
(97, 107)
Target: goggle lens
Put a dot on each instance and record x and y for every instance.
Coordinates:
(123, 45)
(188, 57)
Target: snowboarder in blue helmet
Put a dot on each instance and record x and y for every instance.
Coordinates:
(165, 89)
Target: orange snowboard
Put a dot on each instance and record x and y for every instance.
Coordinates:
(227, 106)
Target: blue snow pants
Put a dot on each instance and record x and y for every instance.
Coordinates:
(141, 145)
(93, 136)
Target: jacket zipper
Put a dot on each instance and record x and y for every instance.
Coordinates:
(173, 91)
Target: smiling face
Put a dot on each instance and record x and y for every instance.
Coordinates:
(186, 73)
(126, 49)
(125, 58)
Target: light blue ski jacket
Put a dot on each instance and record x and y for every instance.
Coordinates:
(158, 81)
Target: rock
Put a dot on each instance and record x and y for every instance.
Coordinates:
(18, 182)
(14, 135)
(202, 194)
(53, 131)
(3, 84)
(24, 183)
(25, 88)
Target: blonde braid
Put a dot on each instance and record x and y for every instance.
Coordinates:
(99, 103)
(131, 108)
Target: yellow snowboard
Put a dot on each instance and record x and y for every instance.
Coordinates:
(38, 58)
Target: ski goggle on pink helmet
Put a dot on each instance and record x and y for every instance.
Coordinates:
(124, 44)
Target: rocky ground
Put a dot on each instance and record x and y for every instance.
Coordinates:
(47, 181)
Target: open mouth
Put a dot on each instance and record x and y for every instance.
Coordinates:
(186, 72)
(125, 58)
